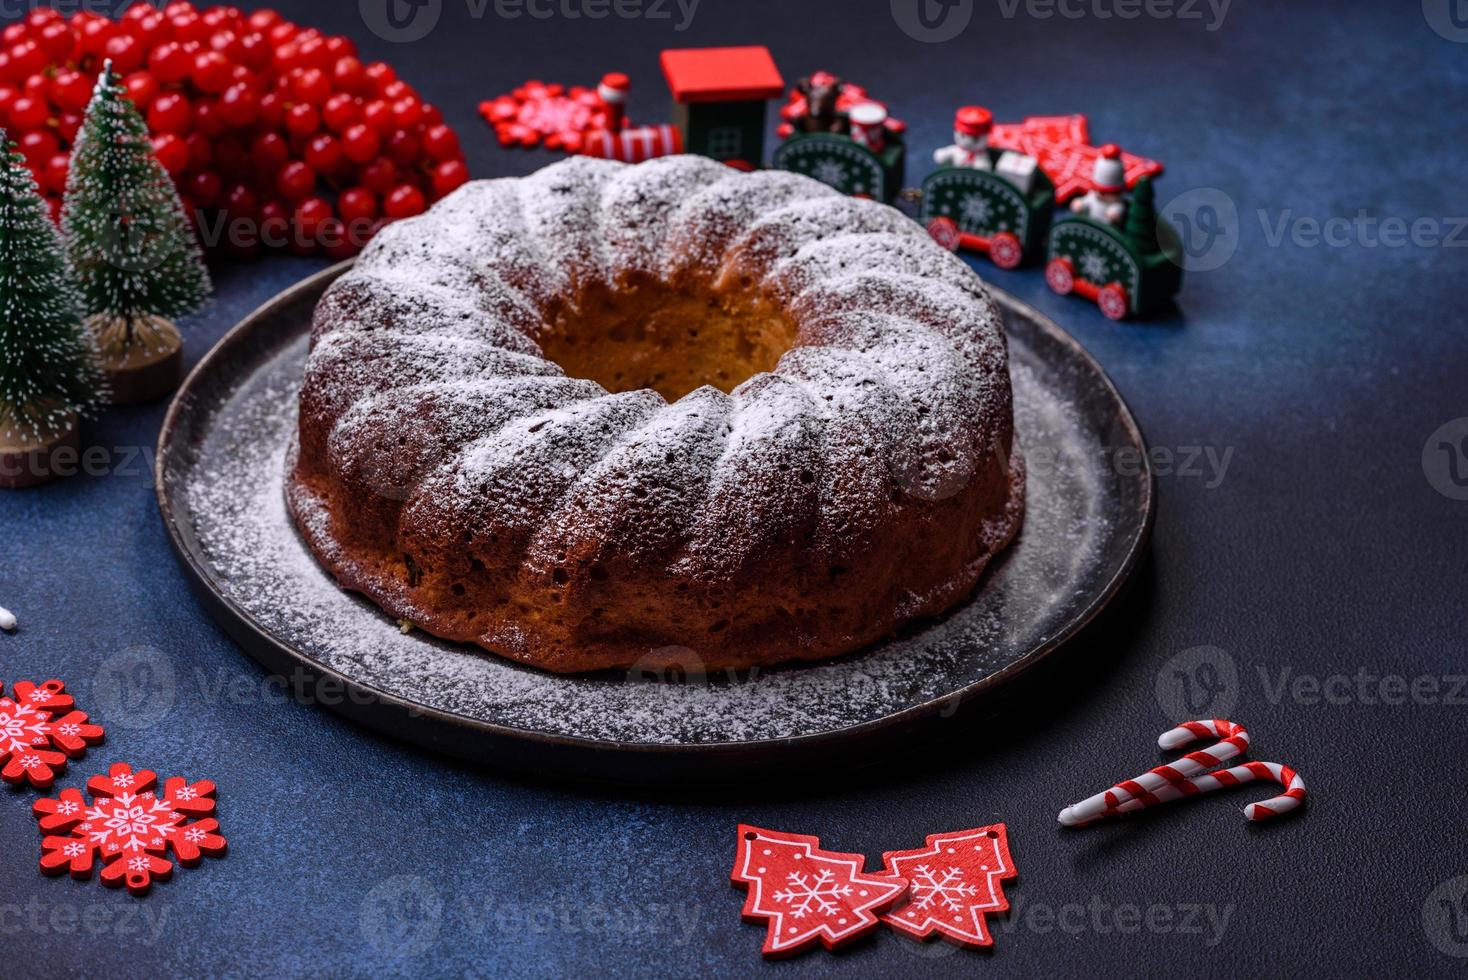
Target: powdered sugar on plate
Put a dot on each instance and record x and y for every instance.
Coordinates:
(1081, 525)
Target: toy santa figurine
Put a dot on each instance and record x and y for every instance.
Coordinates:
(613, 94)
(970, 148)
(1104, 201)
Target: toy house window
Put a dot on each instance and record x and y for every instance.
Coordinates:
(725, 142)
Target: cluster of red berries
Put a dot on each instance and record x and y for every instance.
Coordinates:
(275, 134)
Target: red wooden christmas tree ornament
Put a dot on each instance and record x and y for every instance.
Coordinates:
(130, 827)
(805, 894)
(39, 731)
(954, 882)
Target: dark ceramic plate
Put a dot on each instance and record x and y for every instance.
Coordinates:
(220, 462)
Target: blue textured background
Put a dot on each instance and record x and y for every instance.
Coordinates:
(1324, 550)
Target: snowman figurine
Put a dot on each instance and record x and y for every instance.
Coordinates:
(970, 148)
(1104, 201)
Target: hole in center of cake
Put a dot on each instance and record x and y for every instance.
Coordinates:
(672, 340)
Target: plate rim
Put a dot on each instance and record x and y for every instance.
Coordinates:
(238, 623)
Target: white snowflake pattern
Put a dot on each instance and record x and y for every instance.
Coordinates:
(805, 894)
(830, 172)
(21, 727)
(130, 823)
(946, 888)
(1093, 266)
(975, 210)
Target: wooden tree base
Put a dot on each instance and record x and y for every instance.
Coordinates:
(30, 461)
(142, 365)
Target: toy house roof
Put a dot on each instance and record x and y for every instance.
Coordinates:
(722, 74)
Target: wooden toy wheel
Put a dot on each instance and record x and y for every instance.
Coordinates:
(1112, 299)
(1005, 251)
(945, 232)
(1060, 276)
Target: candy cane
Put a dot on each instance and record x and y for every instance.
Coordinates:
(1144, 788)
(1291, 798)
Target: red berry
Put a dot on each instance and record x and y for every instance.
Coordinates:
(341, 47)
(347, 74)
(187, 26)
(263, 19)
(171, 151)
(57, 40)
(395, 90)
(432, 114)
(67, 126)
(126, 53)
(310, 214)
(447, 176)
(27, 113)
(240, 201)
(296, 181)
(378, 114)
(255, 53)
(211, 72)
(37, 87)
(38, 147)
(27, 59)
(71, 90)
(380, 176)
(207, 119)
(203, 187)
(357, 204)
(324, 153)
(95, 34)
(239, 105)
(379, 74)
(142, 89)
(403, 147)
(404, 201)
(169, 63)
(339, 112)
(269, 152)
(441, 143)
(170, 113)
(302, 119)
(407, 113)
(201, 150)
(311, 85)
(360, 143)
(272, 110)
(313, 50)
(56, 170)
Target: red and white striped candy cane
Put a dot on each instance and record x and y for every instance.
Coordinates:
(1292, 797)
(1234, 741)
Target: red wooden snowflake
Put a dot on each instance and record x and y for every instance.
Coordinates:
(1061, 146)
(130, 827)
(955, 881)
(39, 731)
(806, 894)
(537, 112)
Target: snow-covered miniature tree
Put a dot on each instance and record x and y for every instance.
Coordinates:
(48, 374)
(136, 259)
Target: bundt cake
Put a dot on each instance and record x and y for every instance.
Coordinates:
(672, 413)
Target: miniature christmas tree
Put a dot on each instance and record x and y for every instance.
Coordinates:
(48, 375)
(1141, 216)
(136, 259)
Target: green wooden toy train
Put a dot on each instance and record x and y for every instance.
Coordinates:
(1001, 204)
